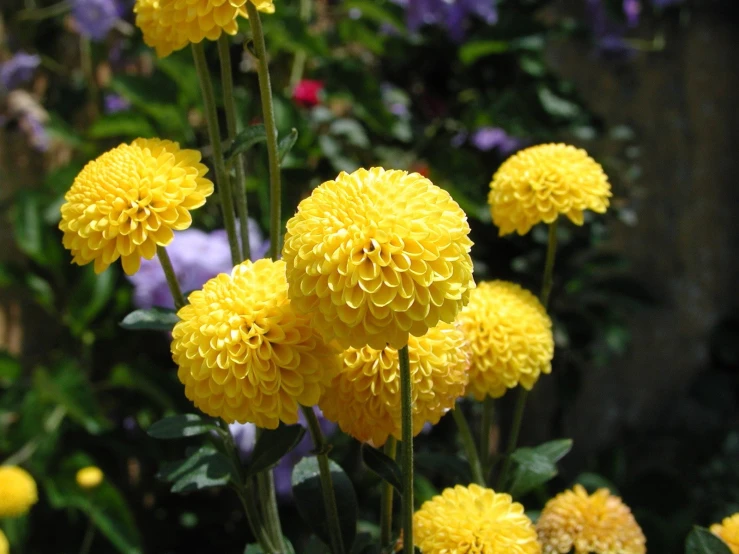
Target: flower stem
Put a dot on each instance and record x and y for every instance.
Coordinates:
(327, 486)
(88, 538)
(296, 73)
(174, 286)
(214, 133)
(232, 126)
(513, 438)
(548, 279)
(266, 484)
(469, 446)
(268, 114)
(488, 416)
(406, 415)
(386, 506)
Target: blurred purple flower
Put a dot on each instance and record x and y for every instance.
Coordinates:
(632, 9)
(488, 138)
(196, 256)
(245, 437)
(36, 132)
(30, 116)
(115, 103)
(459, 139)
(452, 14)
(18, 70)
(95, 18)
(665, 3)
(608, 34)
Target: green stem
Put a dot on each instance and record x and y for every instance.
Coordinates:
(88, 69)
(488, 416)
(406, 415)
(55, 10)
(469, 446)
(513, 438)
(296, 73)
(386, 506)
(174, 286)
(214, 134)
(266, 484)
(232, 126)
(548, 279)
(327, 485)
(268, 114)
(88, 538)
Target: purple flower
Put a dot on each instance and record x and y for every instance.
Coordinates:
(95, 18)
(115, 103)
(196, 257)
(632, 9)
(18, 70)
(30, 117)
(245, 437)
(488, 138)
(453, 14)
(608, 34)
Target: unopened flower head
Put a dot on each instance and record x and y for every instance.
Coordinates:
(244, 354)
(130, 200)
(170, 25)
(89, 477)
(600, 523)
(510, 336)
(364, 398)
(377, 255)
(728, 531)
(18, 489)
(473, 520)
(541, 182)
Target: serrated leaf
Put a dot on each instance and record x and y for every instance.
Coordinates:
(384, 466)
(306, 485)
(702, 541)
(272, 445)
(247, 138)
(151, 319)
(180, 426)
(204, 468)
(286, 144)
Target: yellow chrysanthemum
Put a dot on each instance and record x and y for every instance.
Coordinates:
(244, 354)
(129, 200)
(510, 335)
(17, 491)
(169, 25)
(539, 183)
(89, 477)
(4, 546)
(364, 398)
(376, 255)
(473, 520)
(600, 523)
(728, 531)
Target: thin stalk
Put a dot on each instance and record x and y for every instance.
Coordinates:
(268, 114)
(406, 415)
(488, 416)
(88, 538)
(513, 438)
(214, 134)
(469, 446)
(548, 279)
(232, 126)
(266, 485)
(296, 73)
(327, 485)
(88, 69)
(174, 286)
(386, 506)
(51, 424)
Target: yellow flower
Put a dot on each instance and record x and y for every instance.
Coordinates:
(364, 398)
(17, 491)
(89, 477)
(129, 200)
(510, 335)
(539, 183)
(244, 354)
(473, 520)
(169, 25)
(376, 255)
(728, 531)
(598, 523)
(4, 546)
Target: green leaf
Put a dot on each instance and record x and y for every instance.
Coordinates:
(27, 225)
(536, 466)
(384, 466)
(204, 468)
(555, 450)
(273, 445)
(375, 12)
(256, 549)
(152, 319)
(556, 105)
(286, 144)
(247, 138)
(474, 50)
(180, 426)
(702, 541)
(306, 485)
(123, 124)
(90, 295)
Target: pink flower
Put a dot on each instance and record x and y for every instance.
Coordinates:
(306, 93)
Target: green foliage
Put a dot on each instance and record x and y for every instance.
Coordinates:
(152, 319)
(702, 541)
(535, 466)
(181, 426)
(202, 468)
(272, 445)
(385, 467)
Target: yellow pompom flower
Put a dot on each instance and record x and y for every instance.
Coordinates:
(378, 254)
(244, 354)
(129, 200)
(17, 491)
(4, 546)
(510, 335)
(473, 520)
(539, 183)
(364, 398)
(89, 477)
(170, 25)
(600, 523)
(728, 531)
